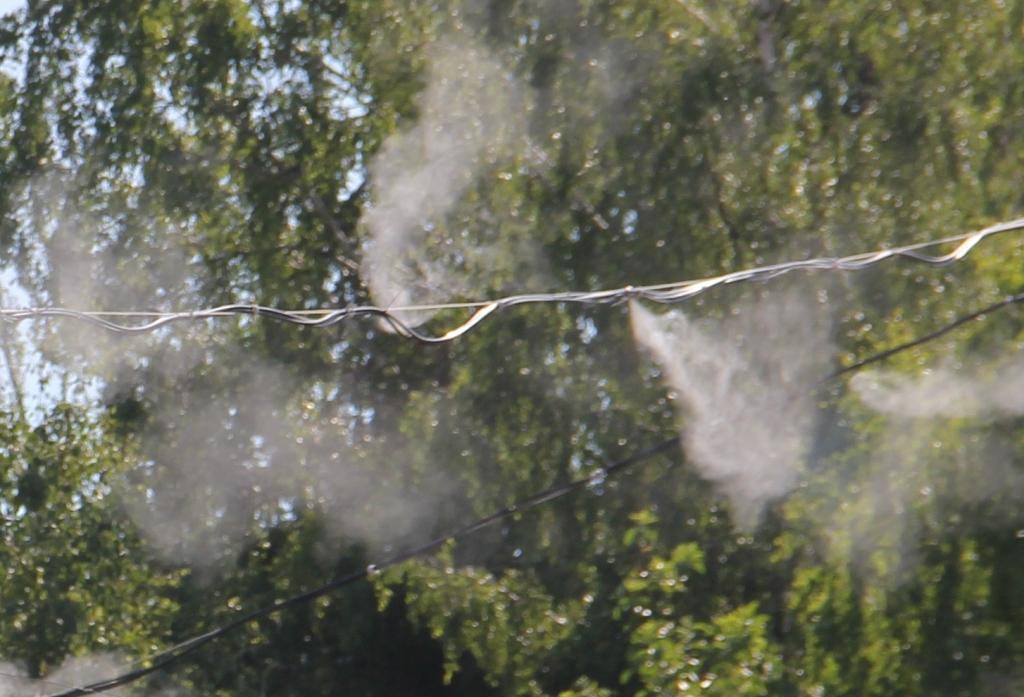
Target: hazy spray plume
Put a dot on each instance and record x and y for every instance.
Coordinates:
(226, 459)
(430, 236)
(472, 114)
(922, 470)
(225, 450)
(74, 256)
(944, 391)
(212, 478)
(747, 384)
(73, 672)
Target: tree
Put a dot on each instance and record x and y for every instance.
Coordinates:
(161, 155)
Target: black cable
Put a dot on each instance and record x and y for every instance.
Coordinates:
(179, 651)
(945, 329)
(183, 649)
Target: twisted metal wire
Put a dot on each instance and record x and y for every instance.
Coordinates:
(663, 294)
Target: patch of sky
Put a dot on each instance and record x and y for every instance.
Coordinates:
(629, 219)
(12, 66)
(26, 374)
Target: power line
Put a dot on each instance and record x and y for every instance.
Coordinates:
(179, 651)
(663, 294)
(183, 649)
(931, 336)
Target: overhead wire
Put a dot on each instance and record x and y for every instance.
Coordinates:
(666, 293)
(179, 651)
(931, 336)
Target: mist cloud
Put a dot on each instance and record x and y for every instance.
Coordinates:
(472, 114)
(75, 671)
(746, 384)
(225, 449)
(944, 391)
(223, 461)
(923, 470)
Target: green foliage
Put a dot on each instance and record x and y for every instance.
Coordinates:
(172, 155)
(684, 643)
(74, 579)
(505, 623)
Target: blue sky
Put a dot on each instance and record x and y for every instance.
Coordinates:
(9, 5)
